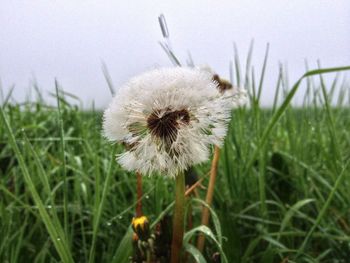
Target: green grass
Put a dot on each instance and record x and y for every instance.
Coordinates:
(282, 186)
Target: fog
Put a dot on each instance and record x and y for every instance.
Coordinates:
(68, 40)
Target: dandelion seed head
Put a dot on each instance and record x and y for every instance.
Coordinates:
(168, 118)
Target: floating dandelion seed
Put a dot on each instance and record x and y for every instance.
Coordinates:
(237, 95)
(168, 118)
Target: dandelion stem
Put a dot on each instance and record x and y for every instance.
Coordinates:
(178, 221)
(194, 186)
(148, 256)
(209, 197)
(139, 194)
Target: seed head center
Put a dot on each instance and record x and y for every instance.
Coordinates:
(165, 124)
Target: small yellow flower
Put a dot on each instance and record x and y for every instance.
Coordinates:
(140, 225)
(139, 221)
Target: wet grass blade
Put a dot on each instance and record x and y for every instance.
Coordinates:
(124, 249)
(195, 253)
(63, 160)
(323, 210)
(276, 117)
(59, 240)
(99, 207)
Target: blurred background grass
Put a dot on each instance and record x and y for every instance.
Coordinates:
(281, 193)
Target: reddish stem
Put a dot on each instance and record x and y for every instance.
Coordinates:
(209, 197)
(139, 194)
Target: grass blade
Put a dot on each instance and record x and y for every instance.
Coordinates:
(323, 210)
(59, 240)
(196, 254)
(100, 206)
(276, 117)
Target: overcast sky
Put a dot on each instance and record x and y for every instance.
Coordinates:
(68, 39)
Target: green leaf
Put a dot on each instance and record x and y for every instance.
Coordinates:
(215, 218)
(196, 254)
(208, 233)
(124, 249)
(290, 213)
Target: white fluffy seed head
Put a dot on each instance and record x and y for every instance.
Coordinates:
(168, 118)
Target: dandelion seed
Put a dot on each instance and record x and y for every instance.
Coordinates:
(168, 118)
(237, 95)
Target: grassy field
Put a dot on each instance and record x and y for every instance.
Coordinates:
(282, 192)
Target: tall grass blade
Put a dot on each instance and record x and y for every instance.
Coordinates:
(275, 118)
(59, 240)
(63, 159)
(323, 210)
(100, 206)
(108, 78)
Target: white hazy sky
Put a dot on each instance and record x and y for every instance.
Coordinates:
(67, 39)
